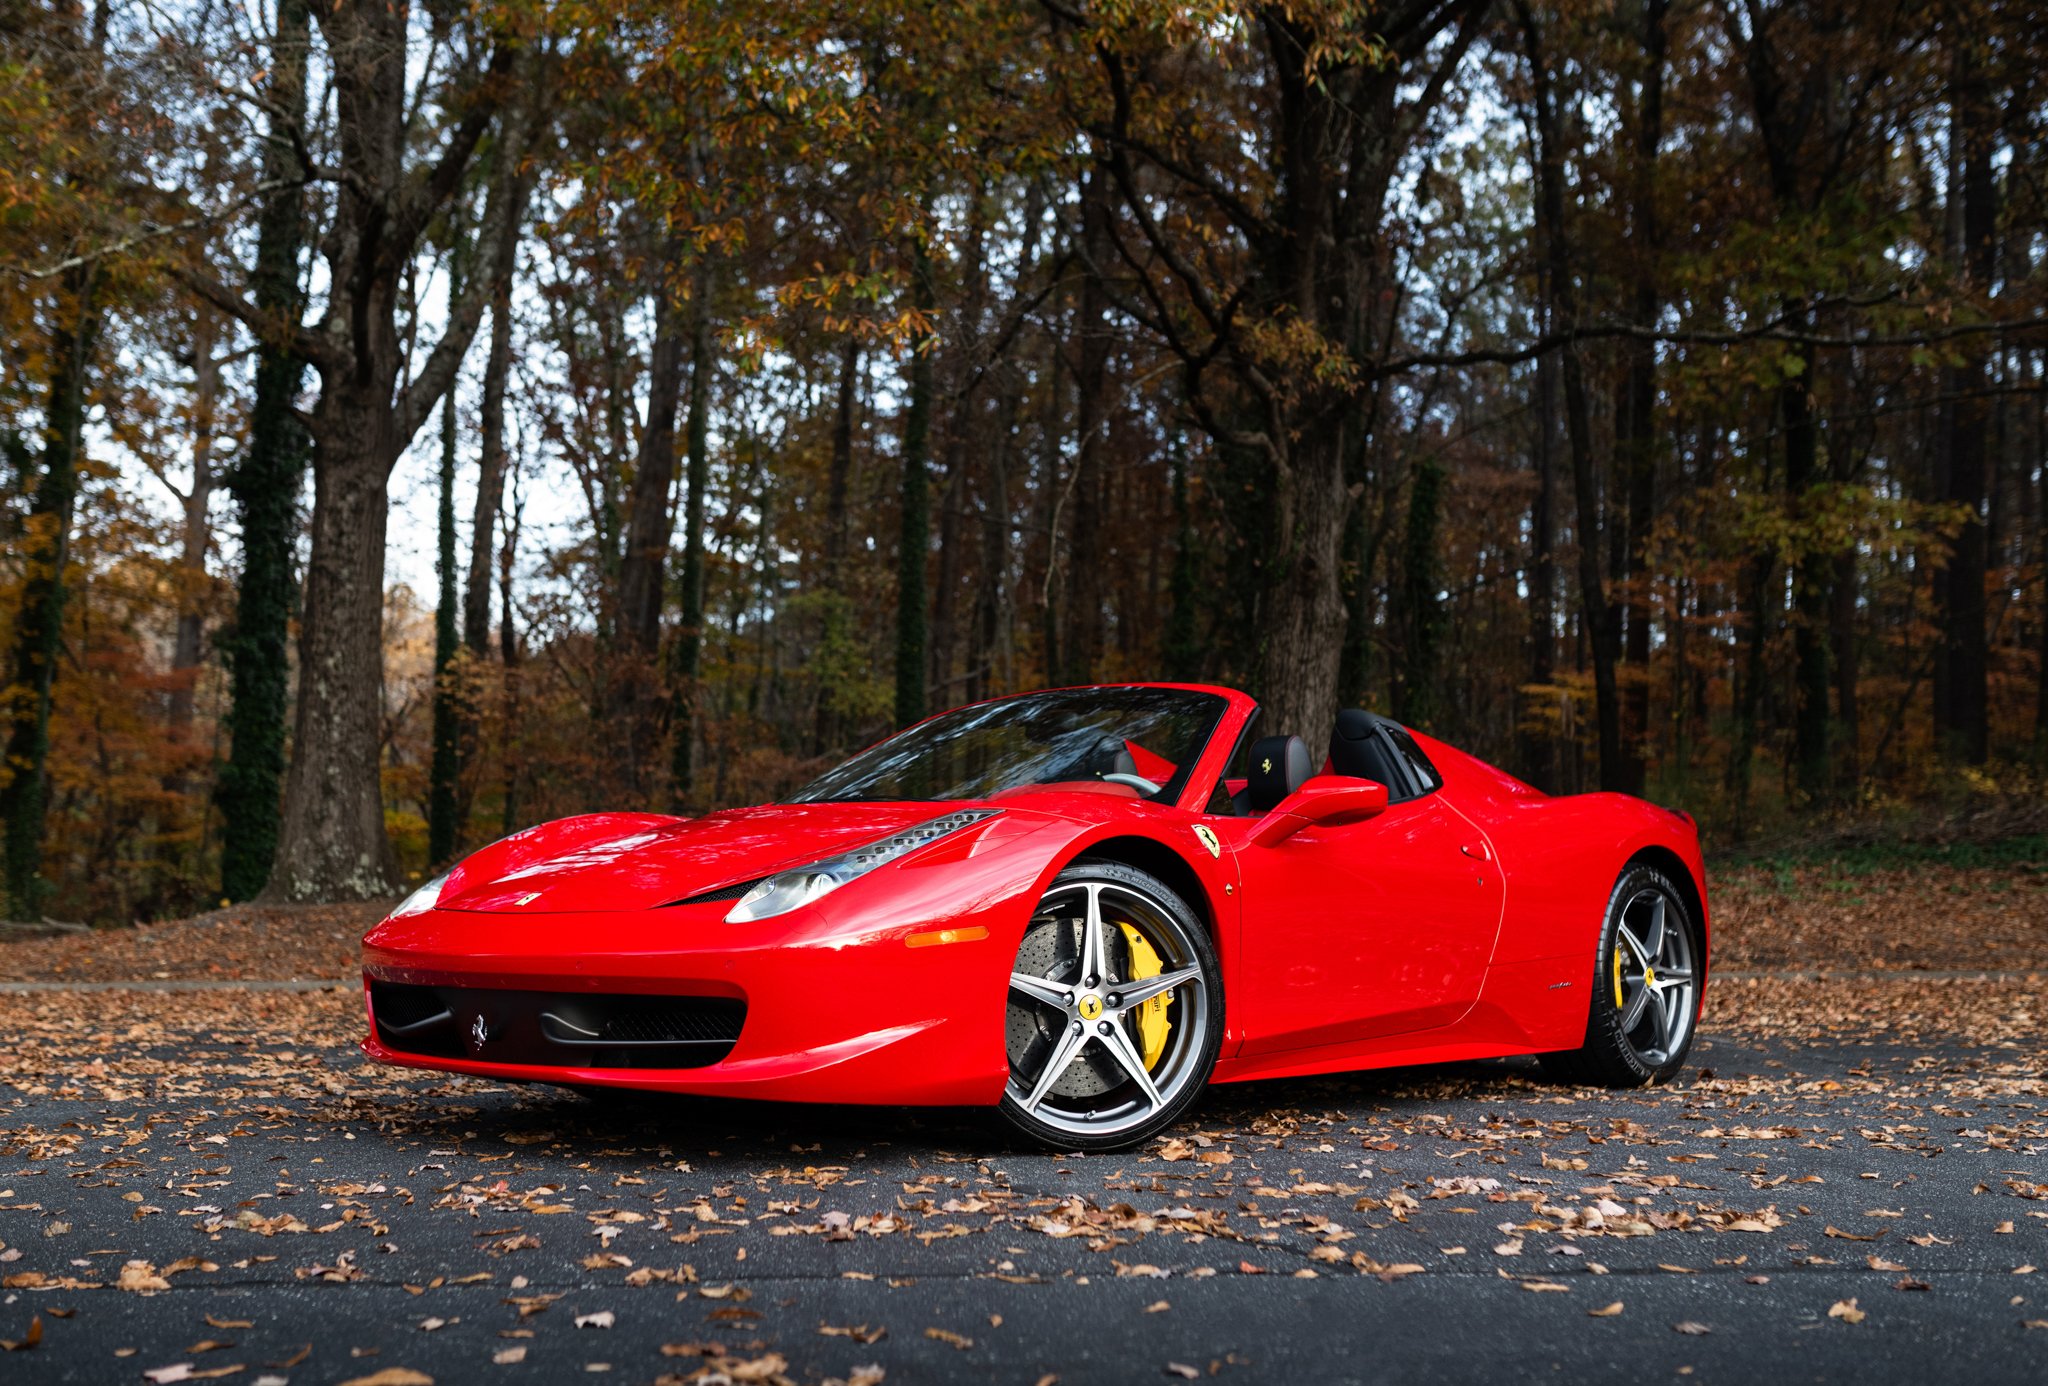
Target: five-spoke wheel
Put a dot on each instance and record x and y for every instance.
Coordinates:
(1645, 992)
(1115, 1011)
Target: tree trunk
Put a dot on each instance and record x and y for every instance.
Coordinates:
(837, 612)
(1599, 616)
(1303, 616)
(265, 485)
(1811, 571)
(508, 657)
(443, 829)
(1636, 421)
(1842, 641)
(689, 639)
(1085, 560)
(915, 538)
(1181, 646)
(1537, 757)
(1963, 715)
(492, 457)
(1421, 614)
(197, 535)
(39, 622)
(332, 843)
(649, 522)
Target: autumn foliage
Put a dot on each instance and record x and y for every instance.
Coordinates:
(1642, 396)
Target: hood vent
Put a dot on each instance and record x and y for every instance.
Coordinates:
(731, 892)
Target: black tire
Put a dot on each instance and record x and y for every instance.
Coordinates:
(1106, 1094)
(1642, 1020)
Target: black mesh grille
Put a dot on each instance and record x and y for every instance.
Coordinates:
(634, 1020)
(556, 1029)
(731, 892)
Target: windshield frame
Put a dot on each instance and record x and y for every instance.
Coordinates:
(1192, 777)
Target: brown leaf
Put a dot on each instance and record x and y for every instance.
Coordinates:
(1606, 1311)
(1846, 1311)
(1833, 1231)
(1182, 1370)
(212, 1322)
(27, 1340)
(944, 1335)
(1691, 1329)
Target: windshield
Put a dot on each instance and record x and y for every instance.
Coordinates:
(1082, 734)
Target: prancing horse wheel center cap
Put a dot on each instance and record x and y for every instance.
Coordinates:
(1090, 1007)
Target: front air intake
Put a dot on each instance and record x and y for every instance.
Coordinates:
(556, 1029)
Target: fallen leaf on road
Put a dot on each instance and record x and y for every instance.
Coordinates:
(27, 1340)
(141, 1277)
(603, 1318)
(212, 1322)
(505, 1357)
(1691, 1329)
(1607, 1311)
(1878, 1263)
(1846, 1311)
(945, 1335)
(1183, 1370)
(1833, 1231)
(1158, 1307)
(860, 1333)
(391, 1376)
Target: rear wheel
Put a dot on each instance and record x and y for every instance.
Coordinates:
(1645, 988)
(1115, 1011)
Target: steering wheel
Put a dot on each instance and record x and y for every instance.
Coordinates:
(1137, 782)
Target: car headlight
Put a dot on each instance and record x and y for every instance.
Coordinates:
(787, 890)
(421, 900)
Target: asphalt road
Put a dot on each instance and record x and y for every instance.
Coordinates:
(1458, 1224)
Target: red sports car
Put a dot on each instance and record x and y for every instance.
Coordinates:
(1076, 906)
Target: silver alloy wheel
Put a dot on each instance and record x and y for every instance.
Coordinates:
(1652, 971)
(1075, 1062)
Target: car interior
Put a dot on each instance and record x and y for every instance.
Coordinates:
(1362, 745)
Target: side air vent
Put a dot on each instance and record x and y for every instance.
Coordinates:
(731, 892)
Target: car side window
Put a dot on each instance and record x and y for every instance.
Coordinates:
(1413, 761)
(1238, 768)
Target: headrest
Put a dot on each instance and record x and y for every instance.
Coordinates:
(1279, 767)
(1356, 749)
(1111, 756)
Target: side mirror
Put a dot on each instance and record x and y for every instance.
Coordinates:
(1324, 799)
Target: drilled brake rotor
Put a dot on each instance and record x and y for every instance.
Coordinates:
(1052, 949)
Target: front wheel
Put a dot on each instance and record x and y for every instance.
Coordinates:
(1645, 988)
(1115, 1011)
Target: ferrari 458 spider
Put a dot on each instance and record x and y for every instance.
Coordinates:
(1077, 907)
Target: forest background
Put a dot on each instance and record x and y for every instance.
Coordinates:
(1644, 394)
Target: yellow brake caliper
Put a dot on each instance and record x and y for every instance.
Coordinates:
(1617, 974)
(1152, 1021)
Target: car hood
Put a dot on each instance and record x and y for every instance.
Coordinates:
(629, 862)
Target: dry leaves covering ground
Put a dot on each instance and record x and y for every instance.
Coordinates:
(1886, 911)
(239, 943)
(214, 1185)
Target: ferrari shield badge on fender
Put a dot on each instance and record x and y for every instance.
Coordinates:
(479, 1033)
(1208, 839)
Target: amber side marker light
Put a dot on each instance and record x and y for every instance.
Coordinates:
(938, 936)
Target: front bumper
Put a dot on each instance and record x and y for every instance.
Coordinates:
(832, 1013)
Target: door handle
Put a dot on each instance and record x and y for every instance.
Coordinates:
(1477, 851)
